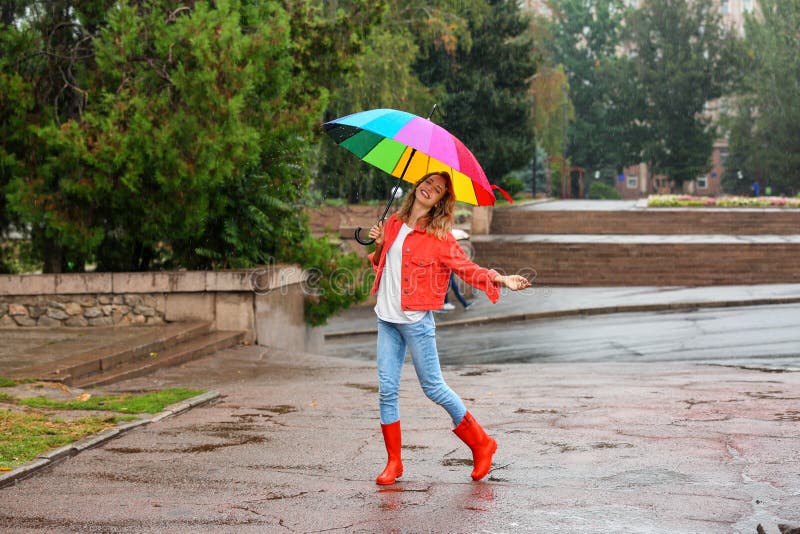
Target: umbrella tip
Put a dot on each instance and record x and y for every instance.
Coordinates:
(433, 109)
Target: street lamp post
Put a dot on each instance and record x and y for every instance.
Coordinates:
(564, 171)
(533, 173)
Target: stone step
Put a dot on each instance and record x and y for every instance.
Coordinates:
(104, 358)
(583, 260)
(652, 221)
(177, 354)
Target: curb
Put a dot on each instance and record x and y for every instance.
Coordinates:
(51, 457)
(601, 310)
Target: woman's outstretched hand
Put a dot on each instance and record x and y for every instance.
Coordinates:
(376, 233)
(514, 282)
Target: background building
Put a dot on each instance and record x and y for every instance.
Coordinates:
(636, 181)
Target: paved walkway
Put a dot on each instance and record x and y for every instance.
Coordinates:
(294, 446)
(294, 443)
(581, 205)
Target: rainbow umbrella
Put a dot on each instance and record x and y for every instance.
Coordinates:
(408, 147)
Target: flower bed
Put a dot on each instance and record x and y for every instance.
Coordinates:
(686, 201)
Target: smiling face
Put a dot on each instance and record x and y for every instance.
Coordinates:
(431, 190)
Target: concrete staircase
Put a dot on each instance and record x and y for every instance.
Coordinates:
(587, 244)
(130, 356)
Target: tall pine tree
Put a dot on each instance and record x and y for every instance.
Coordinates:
(154, 135)
(487, 104)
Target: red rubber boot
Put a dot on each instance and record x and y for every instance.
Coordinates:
(483, 446)
(394, 467)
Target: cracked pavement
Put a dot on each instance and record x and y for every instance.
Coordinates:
(294, 445)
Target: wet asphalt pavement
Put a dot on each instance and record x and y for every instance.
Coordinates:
(294, 445)
(761, 335)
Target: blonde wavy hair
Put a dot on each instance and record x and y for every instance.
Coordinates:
(439, 220)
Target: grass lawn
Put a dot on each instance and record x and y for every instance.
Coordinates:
(145, 403)
(25, 435)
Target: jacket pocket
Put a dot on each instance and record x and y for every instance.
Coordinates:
(423, 262)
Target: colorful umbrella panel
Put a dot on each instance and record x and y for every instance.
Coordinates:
(387, 138)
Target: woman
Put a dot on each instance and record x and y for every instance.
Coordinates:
(414, 256)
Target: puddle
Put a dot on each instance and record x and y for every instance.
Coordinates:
(563, 447)
(114, 477)
(404, 490)
(692, 403)
(646, 477)
(479, 372)
(261, 467)
(208, 447)
(214, 446)
(248, 417)
(364, 387)
(606, 445)
(759, 369)
(127, 450)
(226, 428)
(769, 395)
(278, 409)
(277, 497)
(450, 462)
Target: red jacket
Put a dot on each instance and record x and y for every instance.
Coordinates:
(426, 266)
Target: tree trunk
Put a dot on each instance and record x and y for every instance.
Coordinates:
(53, 255)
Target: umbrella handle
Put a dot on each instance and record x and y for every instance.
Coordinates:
(364, 242)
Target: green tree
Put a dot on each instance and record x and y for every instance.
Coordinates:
(765, 130)
(384, 77)
(142, 135)
(683, 58)
(487, 103)
(46, 52)
(180, 136)
(15, 101)
(584, 38)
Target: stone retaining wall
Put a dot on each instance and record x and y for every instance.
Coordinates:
(266, 303)
(81, 310)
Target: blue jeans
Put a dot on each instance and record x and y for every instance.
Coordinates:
(420, 338)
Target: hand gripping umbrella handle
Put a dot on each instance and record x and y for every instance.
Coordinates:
(364, 242)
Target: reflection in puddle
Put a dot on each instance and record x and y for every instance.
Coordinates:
(479, 498)
(393, 498)
(390, 499)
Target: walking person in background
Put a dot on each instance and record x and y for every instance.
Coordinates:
(447, 306)
(460, 235)
(414, 256)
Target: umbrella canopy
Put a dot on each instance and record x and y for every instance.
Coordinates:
(408, 147)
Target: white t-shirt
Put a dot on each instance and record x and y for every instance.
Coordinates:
(388, 307)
